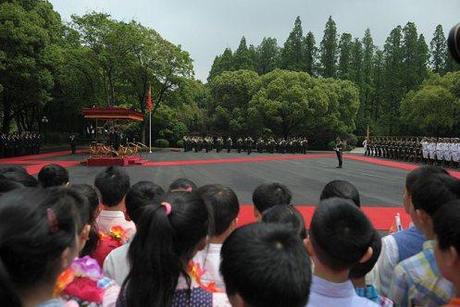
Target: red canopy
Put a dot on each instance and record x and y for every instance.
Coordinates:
(112, 113)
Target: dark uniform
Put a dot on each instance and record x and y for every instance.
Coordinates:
(338, 151)
(73, 144)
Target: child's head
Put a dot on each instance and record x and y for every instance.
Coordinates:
(141, 194)
(341, 189)
(37, 240)
(265, 265)
(288, 215)
(169, 233)
(341, 235)
(21, 177)
(223, 207)
(8, 185)
(90, 239)
(113, 184)
(447, 250)
(182, 184)
(268, 195)
(53, 175)
(412, 177)
(361, 269)
(428, 195)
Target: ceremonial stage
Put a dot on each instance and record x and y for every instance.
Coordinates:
(379, 181)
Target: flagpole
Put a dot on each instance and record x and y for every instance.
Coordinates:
(150, 131)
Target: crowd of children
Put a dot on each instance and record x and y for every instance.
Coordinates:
(117, 244)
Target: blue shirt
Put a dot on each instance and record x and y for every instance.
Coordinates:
(325, 293)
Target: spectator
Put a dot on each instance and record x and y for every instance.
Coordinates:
(403, 244)
(340, 237)
(224, 207)
(359, 271)
(447, 247)
(341, 189)
(266, 266)
(83, 282)
(21, 177)
(182, 184)
(8, 185)
(53, 175)
(168, 236)
(93, 200)
(268, 195)
(113, 184)
(417, 280)
(143, 193)
(38, 242)
(289, 215)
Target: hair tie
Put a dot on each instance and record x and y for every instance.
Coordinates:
(52, 221)
(168, 207)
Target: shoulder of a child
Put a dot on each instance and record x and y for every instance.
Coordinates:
(111, 296)
(220, 300)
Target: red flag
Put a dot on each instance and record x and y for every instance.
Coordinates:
(149, 101)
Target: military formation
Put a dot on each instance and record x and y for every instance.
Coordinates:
(246, 144)
(19, 144)
(439, 151)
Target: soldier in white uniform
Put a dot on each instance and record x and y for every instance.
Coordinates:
(425, 144)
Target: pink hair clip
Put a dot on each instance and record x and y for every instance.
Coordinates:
(168, 207)
(52, 221)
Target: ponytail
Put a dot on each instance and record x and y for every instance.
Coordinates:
(167, 236)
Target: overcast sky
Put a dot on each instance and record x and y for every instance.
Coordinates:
(206, 27)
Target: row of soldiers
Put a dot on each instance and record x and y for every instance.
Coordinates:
(19, 144)
(247, 144)
(444, 151)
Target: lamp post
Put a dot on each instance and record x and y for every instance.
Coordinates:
(44, 124)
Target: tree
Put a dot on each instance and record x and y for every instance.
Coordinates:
(328, 50)
(231, 92)
(267, 55)
(222, 63)
(292, 53)
(345, 46)
(310, 54)
(28, 33)
(439, 51)
(242, 58)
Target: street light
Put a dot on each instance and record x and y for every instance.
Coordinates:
(44, 124)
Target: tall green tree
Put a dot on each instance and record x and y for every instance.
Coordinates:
(310, 54)
(328, 50)
(356, 71)
(267, 55)
(29, 33)
(292, 52)
(422, 59)
(377, 96)
(394, 86)
(439, 51)
(345, 46)
(224, 62)
(242, 58)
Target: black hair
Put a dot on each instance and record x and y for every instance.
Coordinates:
(162, 247)
(36, 226)
(268, 195)
(8, 185)
(340, 233)
(422, 172)
(431, 192)
(360, 270)
(286, 215)
(20, 177)
(267, 265)
(341, 189)
(113, 184)
(92, 198)
(12, 168)
(53, 175)
(446, 222)
(139, 195)
(223, 206)
(182, 184)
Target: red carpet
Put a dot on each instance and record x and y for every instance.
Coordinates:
(247, 159)
(381, 217)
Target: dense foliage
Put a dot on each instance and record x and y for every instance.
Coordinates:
(319, 88)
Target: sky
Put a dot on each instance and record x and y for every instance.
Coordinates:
(205, 28)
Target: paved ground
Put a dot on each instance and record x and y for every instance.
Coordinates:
(305, 175)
